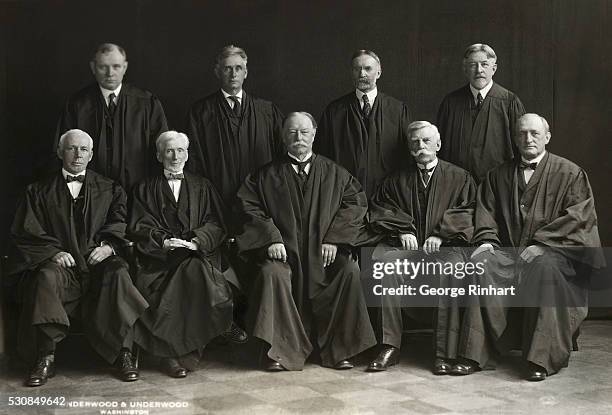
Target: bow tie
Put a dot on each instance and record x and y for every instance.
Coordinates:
(525, 165)
(175, 176)
(79, 178)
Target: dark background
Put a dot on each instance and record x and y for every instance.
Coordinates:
(555, 54)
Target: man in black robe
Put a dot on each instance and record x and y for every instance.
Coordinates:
(365, 130)
(541, 207)
(301, 214)
(123, 120)
(477, 121)
(232, 133)
(176, 223)
(67, 230)
(425, 206)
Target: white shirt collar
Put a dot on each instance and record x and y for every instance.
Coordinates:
(484, 91)
(107, 92)
(429, 165)
(238, 95)
(371, 95)
(535, 160)
(66, 173)
(305, 158)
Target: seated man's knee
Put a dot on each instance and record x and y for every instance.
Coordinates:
(275, 271)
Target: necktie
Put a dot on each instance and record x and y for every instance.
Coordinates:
(111, 103)
(525, 165)
(79, 178)
(480, 100)
(175, 176)
(236, 102)
(301, 167)
(366, 106)
(426, 175)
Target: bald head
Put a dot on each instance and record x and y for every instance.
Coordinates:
(75, 149)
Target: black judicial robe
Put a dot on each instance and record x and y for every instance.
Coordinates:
(370, 150)
(138, 120)
(555, 210)
(46, 223)
(224, 147)
(190, 300)
(485, 143)
(396, 209)
(330, 209)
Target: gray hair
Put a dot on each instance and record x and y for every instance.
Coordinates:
(74, 131)
(167, 136)
(544, 122)
(304, 113)
(419, 125)
(362, 52)
(108, 47)
(227, 51)
(480, 47)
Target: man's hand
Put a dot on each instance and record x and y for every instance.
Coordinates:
(328, 251)
(64, 259)
(277, 251)
(432, 244)
(409, 242)
(173, 243)
(99, 254)
(531, 252)
(483, 248)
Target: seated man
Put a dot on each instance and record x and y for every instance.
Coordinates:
(301, 214)
(176, 222)
(67, 229)
(541, 207)
(426, 205)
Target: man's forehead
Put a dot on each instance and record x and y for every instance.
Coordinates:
(531, 123)
(479, 57)
(113, 54)
(299, 121)
(364, 60)
(76, 140)
(233, 60)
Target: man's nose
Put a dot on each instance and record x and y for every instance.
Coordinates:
(479, 68)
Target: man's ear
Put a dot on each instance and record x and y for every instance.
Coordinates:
(92, 66)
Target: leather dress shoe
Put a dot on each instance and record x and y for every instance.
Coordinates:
(128, 372)
(344, 365)
(536, 373)
(171, 367)
(387, 357)
(274, 366)
(464, 367)
(43, 369)
(441, 367)
(235, 334)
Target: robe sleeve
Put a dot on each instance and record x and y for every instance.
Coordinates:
(485, 225)
(212, 234)
(144, 226)
(194, 132)
(456, 226)
(28, 232)
(258, 229)
(277, 120)
(157, 125)
(113, 230)
(348, 224)
(386, 216)
(575, 231)
(515, 111)
(441, 121)
(322, 144)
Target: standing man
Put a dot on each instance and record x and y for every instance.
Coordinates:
(67, 229)
(425, 206)
(365, 130)
(232, 133)
(477, 121)
(541, 207)
(123, 120)
(176, 222)
(302, 214)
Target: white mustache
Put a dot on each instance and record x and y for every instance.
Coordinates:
(422, 151)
